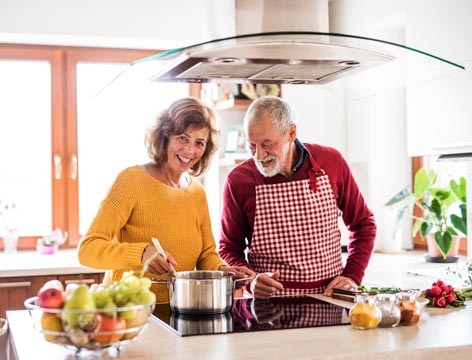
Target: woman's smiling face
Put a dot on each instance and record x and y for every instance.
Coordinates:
(186, 149)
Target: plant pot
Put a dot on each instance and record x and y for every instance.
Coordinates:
(434, 254)
(47, 249)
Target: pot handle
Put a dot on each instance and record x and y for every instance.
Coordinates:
(160, 281)
(241, 279)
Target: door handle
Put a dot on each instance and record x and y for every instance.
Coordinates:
(57, 166)
(79, 281)
(73, 166)
(15, 284)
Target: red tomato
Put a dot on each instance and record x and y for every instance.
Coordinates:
(111, 330)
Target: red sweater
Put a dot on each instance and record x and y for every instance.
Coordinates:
(239, 209)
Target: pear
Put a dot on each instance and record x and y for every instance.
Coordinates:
(79, 307)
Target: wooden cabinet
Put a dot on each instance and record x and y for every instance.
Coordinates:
(15, 290)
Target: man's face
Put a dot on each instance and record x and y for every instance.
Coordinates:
(269, 148)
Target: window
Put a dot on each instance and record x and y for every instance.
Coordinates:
(60, 144)
(446, 170)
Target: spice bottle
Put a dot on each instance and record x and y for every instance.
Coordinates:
(391, 313)
(365, 314)
(410, 309)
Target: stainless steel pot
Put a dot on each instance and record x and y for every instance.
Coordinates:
(200, 291)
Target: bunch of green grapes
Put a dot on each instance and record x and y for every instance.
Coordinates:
(127, 292)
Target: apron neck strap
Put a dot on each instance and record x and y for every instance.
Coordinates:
(314, 172)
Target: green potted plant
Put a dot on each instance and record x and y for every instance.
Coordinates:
(444, 209)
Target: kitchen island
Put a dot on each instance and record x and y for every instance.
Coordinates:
(445, 334)
(441, 334)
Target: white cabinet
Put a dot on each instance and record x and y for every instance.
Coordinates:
(439, 112)
(440, 115)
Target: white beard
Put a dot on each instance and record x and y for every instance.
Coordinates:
(269, 172)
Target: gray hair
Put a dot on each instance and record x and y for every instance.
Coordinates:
(279, 110)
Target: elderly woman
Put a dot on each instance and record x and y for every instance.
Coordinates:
(160, 199)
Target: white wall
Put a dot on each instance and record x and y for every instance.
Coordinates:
(319, 115)
(151, 24)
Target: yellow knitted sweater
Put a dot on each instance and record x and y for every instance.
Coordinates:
(138, 207)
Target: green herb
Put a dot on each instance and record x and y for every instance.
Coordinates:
(379, 290)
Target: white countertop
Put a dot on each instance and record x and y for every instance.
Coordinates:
(32, 263)
(431, 339)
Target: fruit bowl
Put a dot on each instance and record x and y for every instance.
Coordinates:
(89, 329)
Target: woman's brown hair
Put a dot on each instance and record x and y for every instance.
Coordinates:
(174, 120)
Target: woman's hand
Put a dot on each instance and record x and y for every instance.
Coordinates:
(340, 282)
(157, 265)
(265, 285)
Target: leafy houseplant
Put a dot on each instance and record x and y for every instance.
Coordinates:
(438, 205)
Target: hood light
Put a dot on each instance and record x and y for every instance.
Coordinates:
(349, 63)
(297, 82)
(227, 60)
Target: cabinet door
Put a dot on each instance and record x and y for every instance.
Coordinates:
(14, 291)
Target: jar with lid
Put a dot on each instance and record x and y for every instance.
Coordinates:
(410, 309)
(365, 314)
(390, 310)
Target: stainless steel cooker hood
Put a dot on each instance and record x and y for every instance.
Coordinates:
(288, 42)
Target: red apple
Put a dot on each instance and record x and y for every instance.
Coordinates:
(54, 284)
(50, 298)
(111, 330)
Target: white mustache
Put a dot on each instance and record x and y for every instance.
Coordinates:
(267, 159)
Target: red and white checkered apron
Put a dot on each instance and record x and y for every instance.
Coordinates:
(296, 232)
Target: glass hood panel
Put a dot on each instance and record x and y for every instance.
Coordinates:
(358, 67)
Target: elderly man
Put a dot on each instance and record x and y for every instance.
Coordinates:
(281, 209)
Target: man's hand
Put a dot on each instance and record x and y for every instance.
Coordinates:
(238, 271)
(340, 282)
(264, 286)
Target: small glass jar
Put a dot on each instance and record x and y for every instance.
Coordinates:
(410, 309)
(391, 313)
(365, 314)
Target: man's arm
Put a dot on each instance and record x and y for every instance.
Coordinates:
(234, 227)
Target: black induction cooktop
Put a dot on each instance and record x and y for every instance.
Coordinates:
(255, 315)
